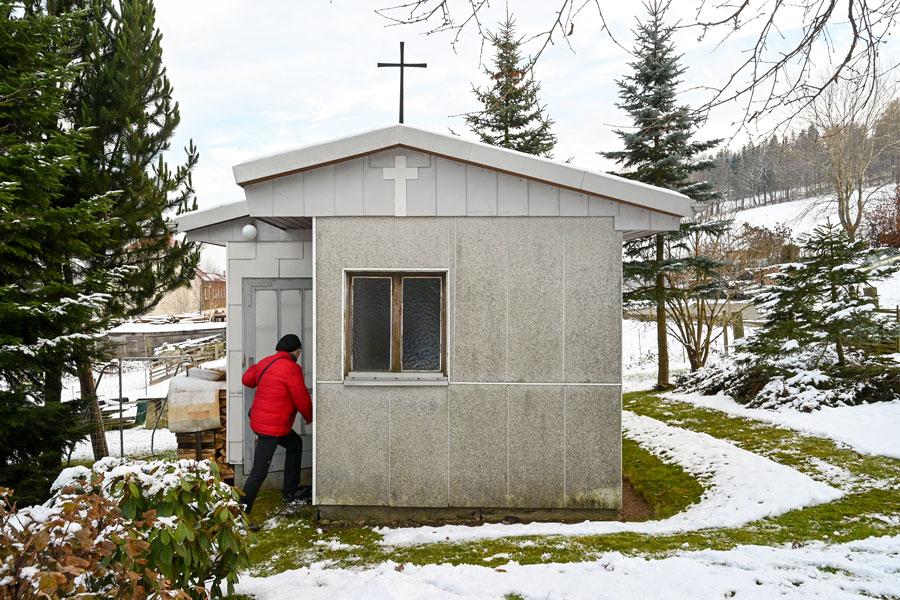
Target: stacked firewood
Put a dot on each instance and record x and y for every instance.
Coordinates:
(211, 441)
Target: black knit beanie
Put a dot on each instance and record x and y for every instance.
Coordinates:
(288, 343)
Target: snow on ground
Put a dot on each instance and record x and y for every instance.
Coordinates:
(800, 216)
(135, 384)
(868, 428)
(639, 355)
(134, 327)
(137, 443)
(889, 291)
(867, 568)
(742, 487)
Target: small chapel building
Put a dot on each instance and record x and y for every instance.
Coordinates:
(460, 307)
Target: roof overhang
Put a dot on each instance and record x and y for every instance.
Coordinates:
(223, 213)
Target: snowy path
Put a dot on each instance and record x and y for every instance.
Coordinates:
(742, 487)
(867, 428)
(867, 568)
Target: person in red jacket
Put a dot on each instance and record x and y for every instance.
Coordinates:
(280, 394)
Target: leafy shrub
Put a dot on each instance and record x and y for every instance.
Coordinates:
(191, 520)
(80, 547)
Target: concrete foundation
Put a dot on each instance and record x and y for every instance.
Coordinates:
(395, 514)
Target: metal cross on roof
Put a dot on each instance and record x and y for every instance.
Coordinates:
(402, 66)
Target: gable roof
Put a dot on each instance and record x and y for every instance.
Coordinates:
(548, 171)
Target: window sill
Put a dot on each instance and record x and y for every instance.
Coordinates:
(396, 379)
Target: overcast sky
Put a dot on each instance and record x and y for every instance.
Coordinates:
(258, 77)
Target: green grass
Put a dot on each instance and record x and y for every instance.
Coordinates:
(871, 485)
(666, 487)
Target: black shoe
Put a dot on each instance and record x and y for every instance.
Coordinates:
(254, 527)
(302, 495)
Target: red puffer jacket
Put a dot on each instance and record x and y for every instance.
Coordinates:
(281, 393)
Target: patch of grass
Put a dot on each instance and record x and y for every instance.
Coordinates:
(513, 596)
(666, 487)
(780, 444)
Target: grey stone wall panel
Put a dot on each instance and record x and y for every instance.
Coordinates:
(480, 312)
(419, 447)
(535, 300)
(478, 445)
(352, 445)
(593, 306)
(593, 446)
(536, 446)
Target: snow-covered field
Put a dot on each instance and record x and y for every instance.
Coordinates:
(639, 354)
(868, 568)
(742, 487)
(800, 216)
(137, 443)
(135, 385)
(868, 428)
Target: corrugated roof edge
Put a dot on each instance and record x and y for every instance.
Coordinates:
(456, 148)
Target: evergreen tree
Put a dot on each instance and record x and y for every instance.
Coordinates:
(512, 116)
(823, 341)
(43, 314)
(659, 150)
(123, 99)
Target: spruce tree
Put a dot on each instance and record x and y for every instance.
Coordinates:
(43, 313)
(123, 99)
(822, 342)
(512, 115)
(659, 150)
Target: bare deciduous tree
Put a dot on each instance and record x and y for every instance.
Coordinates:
(776, 64)
(848, 120)
(697, 298)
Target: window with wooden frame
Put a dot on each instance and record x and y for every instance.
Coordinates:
(395, 322)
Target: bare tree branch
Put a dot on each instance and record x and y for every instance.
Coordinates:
(776, 68)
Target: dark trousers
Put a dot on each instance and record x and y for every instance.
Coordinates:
(263, 452)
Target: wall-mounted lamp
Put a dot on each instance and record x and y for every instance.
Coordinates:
(249, 232)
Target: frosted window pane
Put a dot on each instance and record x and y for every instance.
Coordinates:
(421, 323)
(371, 326)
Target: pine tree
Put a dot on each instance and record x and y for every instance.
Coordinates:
(823, 341)
(659, 150)
(123, 98)
(43, 314)
(512, 115)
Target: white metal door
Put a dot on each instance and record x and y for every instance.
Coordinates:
(274, 307)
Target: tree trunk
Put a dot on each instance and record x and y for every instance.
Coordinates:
(839, 347)
(662, 375)
(89, 393)
(737, 324)
(694, 359)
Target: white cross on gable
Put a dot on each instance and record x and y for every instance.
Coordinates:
(400, 173)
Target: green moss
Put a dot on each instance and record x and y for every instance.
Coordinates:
(666, 487)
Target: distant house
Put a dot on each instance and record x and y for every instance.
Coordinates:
(460, 307)
(212, 290)
(205, 294)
